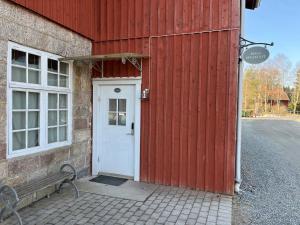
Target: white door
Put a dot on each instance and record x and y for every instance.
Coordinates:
(116, 136)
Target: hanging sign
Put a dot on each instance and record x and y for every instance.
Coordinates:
(256, 55)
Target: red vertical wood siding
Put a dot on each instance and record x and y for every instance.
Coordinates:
(102, 20)
(126, 19)
(188, 126)
(188, 133)
(78, 15)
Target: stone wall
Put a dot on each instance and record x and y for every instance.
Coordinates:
(26, 28)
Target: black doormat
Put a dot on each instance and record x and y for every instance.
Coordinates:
(114, 181)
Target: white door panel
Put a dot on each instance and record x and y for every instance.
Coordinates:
(116, 145)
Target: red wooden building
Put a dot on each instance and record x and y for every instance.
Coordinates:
(182, 57)
(278, 97)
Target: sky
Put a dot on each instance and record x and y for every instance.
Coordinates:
(276, 21)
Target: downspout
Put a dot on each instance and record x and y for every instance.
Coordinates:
(238, 178)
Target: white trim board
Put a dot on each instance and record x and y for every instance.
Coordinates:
(137, 82)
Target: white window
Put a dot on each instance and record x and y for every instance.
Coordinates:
(39, 101)
(117, 112)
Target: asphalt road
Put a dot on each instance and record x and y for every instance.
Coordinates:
(271, 173)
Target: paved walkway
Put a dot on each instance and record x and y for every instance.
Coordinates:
(167, 205)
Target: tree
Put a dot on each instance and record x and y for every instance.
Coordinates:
(282, 63)
(283, 66)
(264, 85)
(251, 84)
(295, 100)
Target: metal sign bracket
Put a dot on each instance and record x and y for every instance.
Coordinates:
(244, 43)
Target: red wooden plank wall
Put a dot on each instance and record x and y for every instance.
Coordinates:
(125, 19)
(189, 124)
(102, 20)
(116, 69)
(81, 16)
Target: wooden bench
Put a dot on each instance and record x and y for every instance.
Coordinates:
(10, 197)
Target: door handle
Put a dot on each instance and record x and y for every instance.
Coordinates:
(132, 130)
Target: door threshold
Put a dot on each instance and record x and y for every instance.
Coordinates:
(115, 175)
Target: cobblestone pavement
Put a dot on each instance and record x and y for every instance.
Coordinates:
(167, 205)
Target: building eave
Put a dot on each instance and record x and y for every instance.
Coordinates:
(252, 4)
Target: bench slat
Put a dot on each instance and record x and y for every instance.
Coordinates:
(36, 185)
(33, 184)
(38, 182)
(30, 189)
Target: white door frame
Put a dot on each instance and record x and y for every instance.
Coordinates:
(137, 82)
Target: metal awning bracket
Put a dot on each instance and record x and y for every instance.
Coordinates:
(135, 62)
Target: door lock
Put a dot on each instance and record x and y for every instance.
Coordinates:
(132, 129)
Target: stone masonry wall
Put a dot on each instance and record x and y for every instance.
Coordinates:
(26, 28)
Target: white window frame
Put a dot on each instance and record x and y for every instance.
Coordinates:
(43, 89)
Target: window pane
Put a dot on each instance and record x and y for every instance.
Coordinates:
(34, 77)
(63, 103)
(19, 100)
(52, 135)
(34, 61)
(52, 65)
(63, 81)
(63, 117)
(52, 118)
(33, 138)
(19, 141)
(19, 120)
(18, 57)
(122, 105)
(18, 74)
(33, 119)
(122, 119)
(112, 118)
(64, 68)
(112, 105)
(33, 100)
(62, 133)
(52, 79)
(52, 101)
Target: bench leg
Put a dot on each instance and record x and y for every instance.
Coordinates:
(14, 211)
(18, 216)
(9, 199)
(71, 183)
(1, 214)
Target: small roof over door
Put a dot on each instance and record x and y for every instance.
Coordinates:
(107, 57)
(96, 61)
